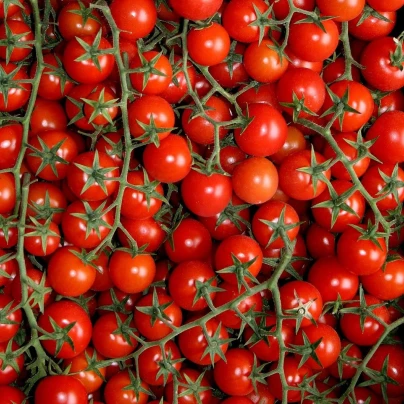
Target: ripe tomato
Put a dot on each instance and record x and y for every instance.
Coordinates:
(68, 275)
(199, 128)
(42, 121)
(298, 184)
(20, 47)
(170, 162)
(11, 318)
(333, 280)
(105, 109)
(349, 364)
(303, 301)
(362, 395)
(343, 10)
(183, 284)
(131, 273)
(64, 313)
(10, 144)
(281, 7)
(367, 331)
(260, 94)
(359, 98)
(295, 141)
(326, 352)
(39, 244)
(319, 241)
(233, 375)
(263, 63)
(372, 27)
(60, 389)
(362, 256)
(7, 193)
(266, 219)
(265, 134)
(310, 42)
(388, 130)
(113, 335)
(382, 5)
(383, 70)
(151, 327)
(12, 395)
(241, 253)
(196, 9)
(255, 180)
(152, 362)
(87, 71)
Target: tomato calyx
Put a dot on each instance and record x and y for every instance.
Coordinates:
(231, 212)
(156, 310)
(307, 350)
(257, 375)
(301, 312)
(101, 107)
(315, 18)
(85, 13)
(370, 232)
(7, 223)
(392, 184)
(44, 211)
(136, 386)
(60, 335)
(124, 328)
(41, 229)
(9, 356)
(397, 57)
(205, 290)
(14, 41)
(362, 147)
(371, 12)
(151, 132)
(167, 366)
(274, 262)
(263, 21)
(298, 106)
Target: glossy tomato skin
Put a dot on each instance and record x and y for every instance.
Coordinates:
(343, 10)
(10, 144)
(8, 267)
(319, 241)
(193, 342)
(380, 71)
(362, 257)
(359, 98)
(232, 375)
(115, 392)
(297, 184)
(388, 129)
(7, 193)
(372, 329)
(87, 71)
(336, 69)
(372, 27)
(382, 5)
(237, 19)
(20, 50)
(12, 318)
(387, 283)
(239, 248)
(265, 134)
(255, 180)
(170, 162)
(261, 94)
(271, 211)
(262, 63)
(13, 394)
(208, 46)
(295, 295)
(183, 280)
(135, 19)
(63, 313)
(34, 244)
(190, 241)
(323, 215)
(196, 9)
(309, 42)
(60, 389)
(348, 369)
(333, 280)
(281, 7)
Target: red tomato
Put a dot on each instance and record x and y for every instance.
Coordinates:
(16, 38)
(7, 193)
(297, 63)
(196, 9)
(10, 144)
(265, 134)
(382, 5)
(263, 63)
(343, 10)
(333, 280)
(365, 332)
(65, 313)
(12, 394)
(301, 300)
(255, 180)
(281, 7)
(360, 254)
(261, 94)
(319, 241)
(295, 141)
(53, 389)
(40, 244)
(346, 362)
(11, 318)
(362, 395)
(372, 27)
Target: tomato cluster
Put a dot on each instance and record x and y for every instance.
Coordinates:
(201, 201)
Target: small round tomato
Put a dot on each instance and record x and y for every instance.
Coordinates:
(334, 70)
(116, 392)
(69, 275)
(186, 284)
(301, 300)
(41, 120)
(10, 144)
(362, 395)
(13, 364)
(17, 38)
(151, 73)
(91, 176)
(91, 379)
(209, 45)
(342, 10)
(196, 9)
(263, 63)
(233, 375)
(200, 129)
(10, 318)
(7, 193)
(340, 212)
(266, 225)
(265, 134)
(346, 365)
(65, 313)
(149, 116)
(359, 253)
(42, 238)
(170, 162)
(241, 253)
(152, 364)
(298, 184)
(113, 335)
(391, 5)
(206, 195)
(100, 107)
(87, 71)
(153, 328)
(332, 280)
(260, 94)
(295, 141)
(12, 395)
(53, 389)
(255, 180)
(311, 42)
(360, 328)
(358, 97)
(319, 241)
(372, 27)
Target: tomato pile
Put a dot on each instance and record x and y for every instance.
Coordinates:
(201, 201)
